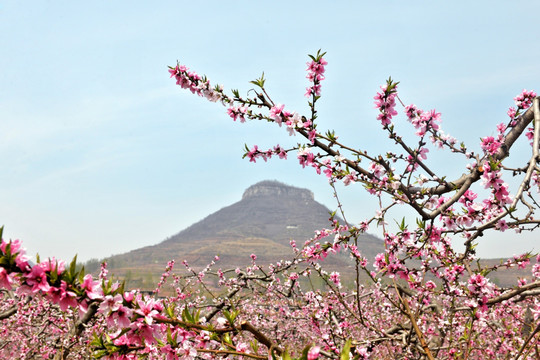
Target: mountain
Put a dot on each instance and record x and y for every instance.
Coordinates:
(269, 215)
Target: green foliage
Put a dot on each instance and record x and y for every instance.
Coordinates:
(231, 315)
(346, 350)
(259, 82)
(317, 57)
(191, 317)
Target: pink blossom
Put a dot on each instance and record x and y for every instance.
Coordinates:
(170, 352)
(110, 303)
(122, 340)
(5, 279)
(363, 226)
(52, 264)
(306, 157)
(511, 112)
(525, 99)
(242, 347)
(478, 284)
(174, 71)
(237, 112)
(350, 178)
(335, 278)
(501, 225)
(411, 111)
(275, 113)
(253, 153)
(468, 197)
(145, 330)
(422, 153)
(63, 297)
(490, 145)
(316, 67)
(93, 288)
(312, 134)
(313, 353)
(279, 151)
(363, 352)
(177, 70)
(315, 75)
(37, 279)
(146, 309)
(313, 90)
(376, 169)
(14, 245)
(122, 316)
(128, 296)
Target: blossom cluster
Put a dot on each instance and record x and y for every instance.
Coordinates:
(385, 101)
(315, 69)
(132, 320)
(522, 101)
(254, 153)
(196, 84)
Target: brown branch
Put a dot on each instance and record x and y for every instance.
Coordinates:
(221, 305)
(232, 353)
(417, 330)
(189, 325)
(12, 311)
(79, 326)
(260, 337)
(536, 330)
(513, 293)
(8, 313)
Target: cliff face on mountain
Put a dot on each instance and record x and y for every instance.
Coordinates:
(268, 188)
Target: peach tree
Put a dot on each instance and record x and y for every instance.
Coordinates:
(420, 298)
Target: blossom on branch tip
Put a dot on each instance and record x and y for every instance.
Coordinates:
(525, 99)
(315, 69)
(385, 102)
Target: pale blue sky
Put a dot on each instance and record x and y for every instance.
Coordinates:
(101, 153)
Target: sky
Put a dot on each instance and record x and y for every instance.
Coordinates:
(101, 153)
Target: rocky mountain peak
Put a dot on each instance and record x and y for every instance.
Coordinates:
(272, 188)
